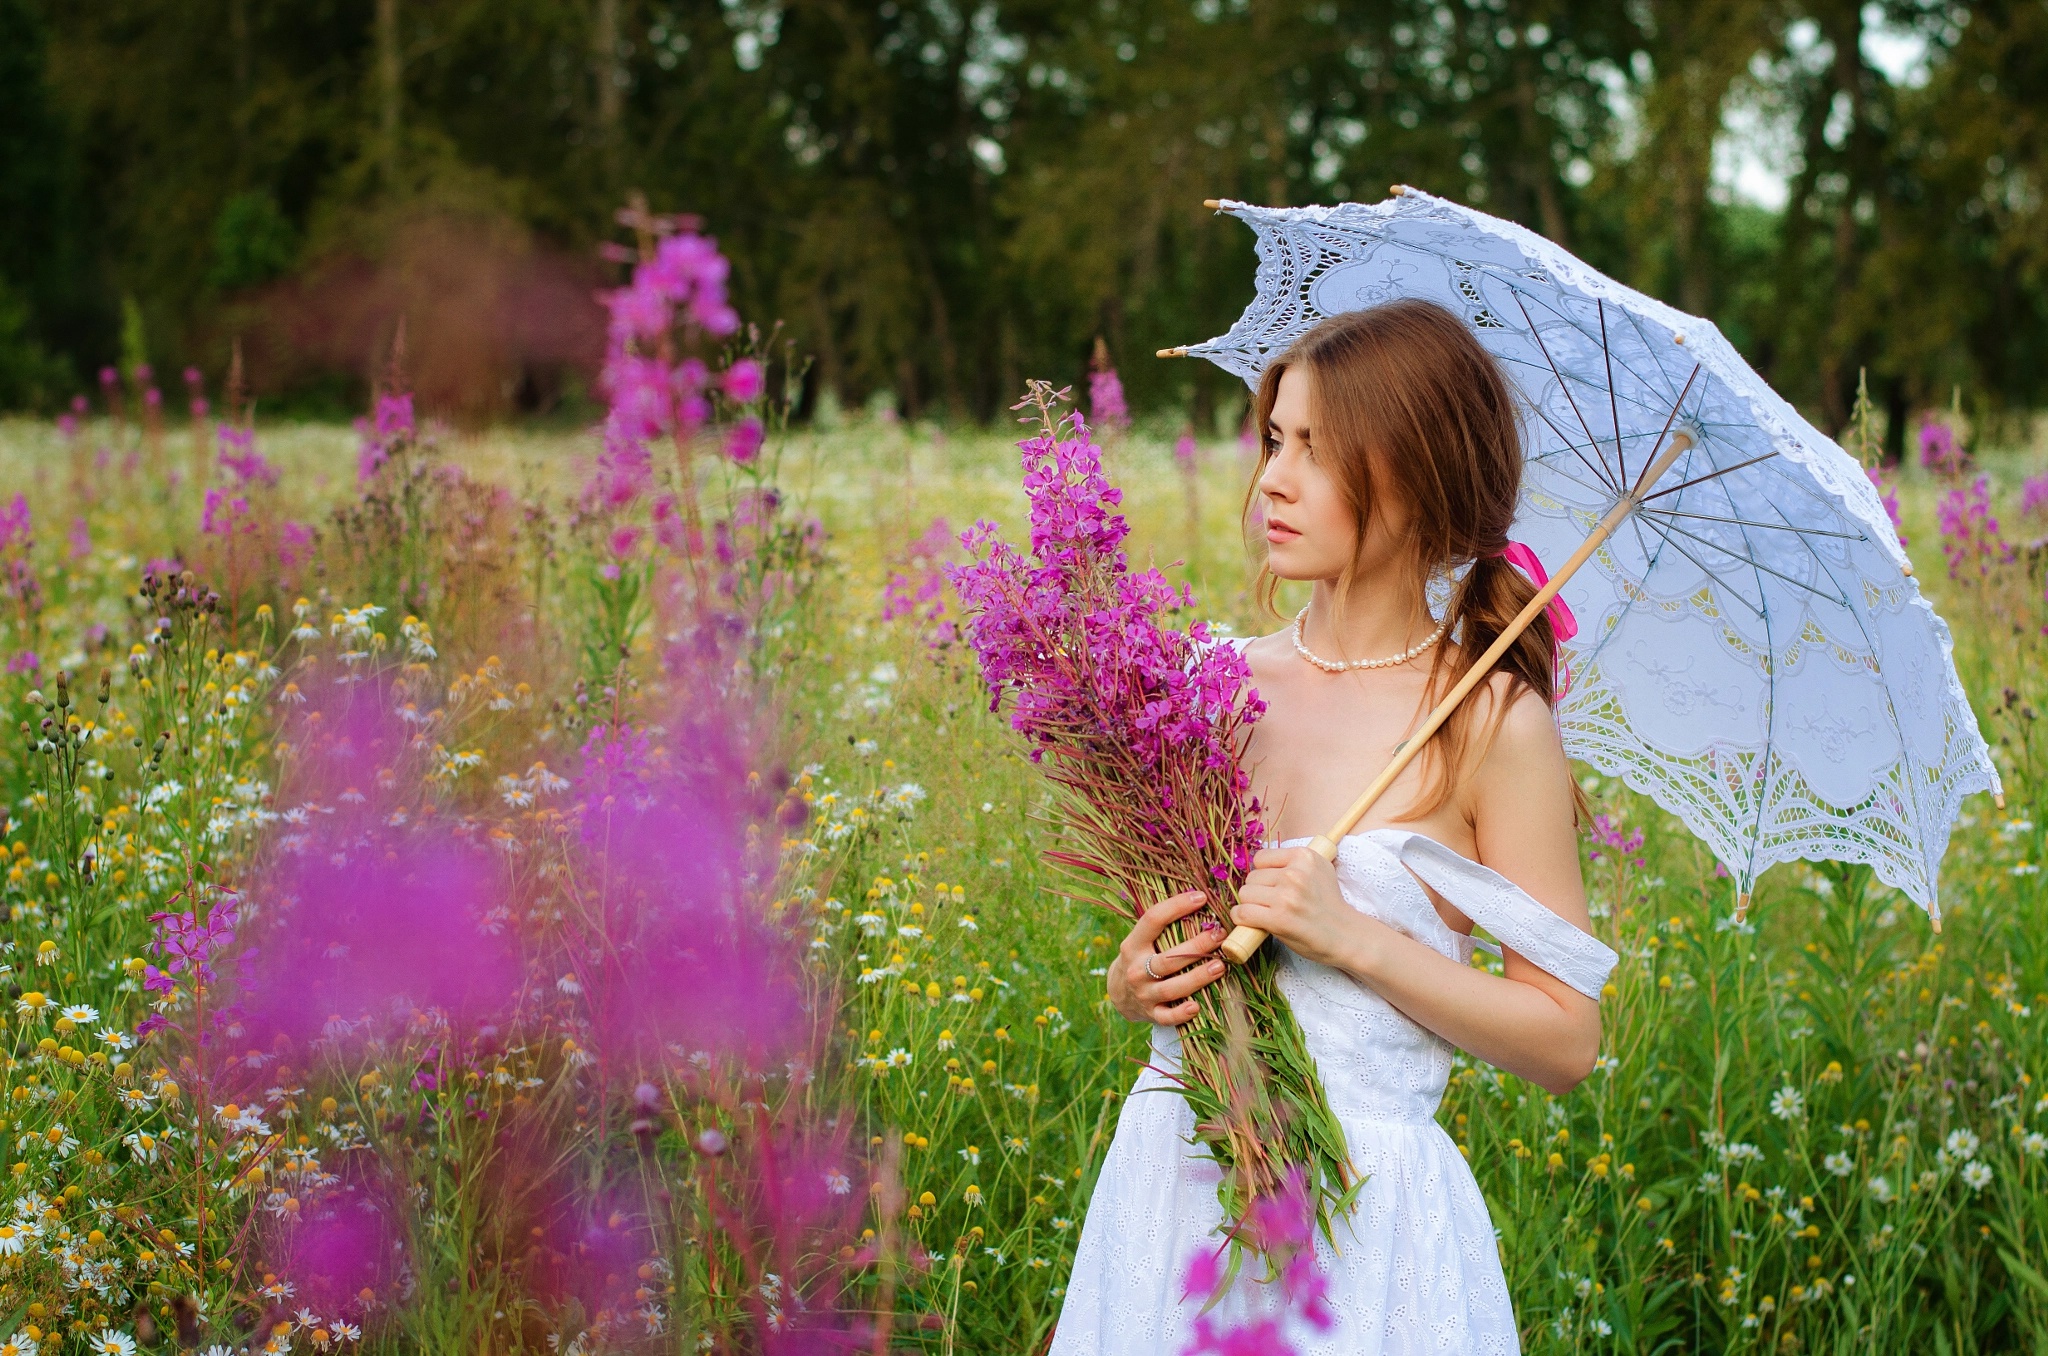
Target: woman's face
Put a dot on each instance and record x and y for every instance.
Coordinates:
(1311, 532)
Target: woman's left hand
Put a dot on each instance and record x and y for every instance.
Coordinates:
(1292, 893)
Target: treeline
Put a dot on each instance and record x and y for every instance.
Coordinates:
(941, 197)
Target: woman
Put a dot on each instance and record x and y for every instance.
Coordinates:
(1391, 462)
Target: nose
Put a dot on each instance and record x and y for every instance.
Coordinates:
(1275, 481)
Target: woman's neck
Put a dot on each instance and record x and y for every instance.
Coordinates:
(1380, 618)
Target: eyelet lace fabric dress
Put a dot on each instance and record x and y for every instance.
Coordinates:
(1416, 1267)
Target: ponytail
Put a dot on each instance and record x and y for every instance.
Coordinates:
(1491, 595)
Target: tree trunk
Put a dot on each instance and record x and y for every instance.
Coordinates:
(608, 73)
(238, 38)
(390, 89)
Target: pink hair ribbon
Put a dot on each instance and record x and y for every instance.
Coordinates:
(1563, 625)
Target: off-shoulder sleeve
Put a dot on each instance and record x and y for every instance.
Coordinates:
(1507, 911)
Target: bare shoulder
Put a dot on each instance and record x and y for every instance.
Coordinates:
(1525, 736)
(1265, 652)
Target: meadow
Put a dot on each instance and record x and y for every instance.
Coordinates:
(453, 906)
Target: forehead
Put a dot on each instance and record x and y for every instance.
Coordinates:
(1290, 398)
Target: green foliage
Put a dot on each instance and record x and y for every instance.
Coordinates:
(134, 338)
(253, 242)
(31, 377)
(938, 207)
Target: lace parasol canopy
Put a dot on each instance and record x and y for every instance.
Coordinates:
(1753, 652)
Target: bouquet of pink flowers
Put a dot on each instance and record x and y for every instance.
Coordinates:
(1139, 728)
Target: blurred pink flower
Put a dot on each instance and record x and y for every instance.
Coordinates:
(1970, 533)
(744, 382)
(1106, 399)
(390, 426)
(222, 514)
(324, 968)
(1939, 450)
(743, 440)
(294, 544)
(15, 524)
(1888, 495)
(2034, 496)
(240, 459)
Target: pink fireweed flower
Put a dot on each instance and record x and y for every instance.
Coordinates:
(744, 382)
(24, 661)
(367, 873)
(294, 546)
(1970, 537)
(672, 531)
(743, 440)
(389, 427)
(624, 471)
(1254, 1319)
(394, 415)
(15, 525)
(2034, 497)
(344, 1245)
(1939, 450)
(919, 589)
(240, 459)
(1888, 495)
(1174, 700)
(1106, 399)
(690, 959)
(1608, 835)
(1185, 451)
(81, 539)
(223, 514)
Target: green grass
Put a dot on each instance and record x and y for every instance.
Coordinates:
(1666, 1205)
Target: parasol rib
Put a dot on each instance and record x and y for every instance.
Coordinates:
(1243, 941)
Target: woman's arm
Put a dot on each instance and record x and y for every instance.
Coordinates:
(1527, 1022)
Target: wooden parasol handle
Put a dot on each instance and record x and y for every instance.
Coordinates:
(1243, 941)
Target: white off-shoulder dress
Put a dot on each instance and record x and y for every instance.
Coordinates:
(1416, 1267)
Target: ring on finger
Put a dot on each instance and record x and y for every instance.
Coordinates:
(1148, 967)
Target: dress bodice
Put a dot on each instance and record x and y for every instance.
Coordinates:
(1376, 1062)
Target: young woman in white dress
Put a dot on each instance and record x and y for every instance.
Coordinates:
(1391, 458)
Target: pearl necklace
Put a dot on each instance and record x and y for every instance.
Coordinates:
(1345, 666)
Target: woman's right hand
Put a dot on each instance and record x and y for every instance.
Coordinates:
(1166, 1000)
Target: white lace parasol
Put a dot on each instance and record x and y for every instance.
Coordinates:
(1752, 651)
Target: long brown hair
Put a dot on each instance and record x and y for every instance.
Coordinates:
(1403, 401)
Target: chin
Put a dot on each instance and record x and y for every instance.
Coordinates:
(1283, 562)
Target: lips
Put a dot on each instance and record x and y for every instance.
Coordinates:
(1278, 532)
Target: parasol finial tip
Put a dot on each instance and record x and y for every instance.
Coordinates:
(1935, 919)
(1998, 799)
(1678, 338)
(1172, 353)
(1399, 190)
(1742, 906)
(1213, 204)
(1907, 569)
